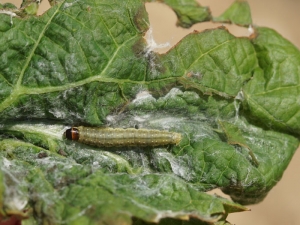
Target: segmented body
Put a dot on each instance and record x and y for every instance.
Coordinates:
(119, 137)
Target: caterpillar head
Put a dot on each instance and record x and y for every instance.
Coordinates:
(72, 134)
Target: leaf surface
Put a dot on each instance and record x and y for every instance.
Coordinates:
(87, 63)
(272, 95)
(238, 13)
(188, 12)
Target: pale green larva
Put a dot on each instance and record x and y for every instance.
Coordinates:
(119, 137)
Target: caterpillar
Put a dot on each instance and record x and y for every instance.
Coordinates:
(119, 137)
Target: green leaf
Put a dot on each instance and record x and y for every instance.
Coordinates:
(238, 13)
(272, 96)
(93, 55)
(213, 61)
(235, 137)
(188, 12)
(32, 9)
(201, 162)
(87, 63)
(91, 196)
(1, 194)
(8, 6)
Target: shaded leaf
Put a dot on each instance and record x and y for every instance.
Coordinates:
(235, 137)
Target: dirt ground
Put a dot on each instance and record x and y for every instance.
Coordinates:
(281, 206)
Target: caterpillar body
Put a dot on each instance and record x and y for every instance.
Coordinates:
(119, 137)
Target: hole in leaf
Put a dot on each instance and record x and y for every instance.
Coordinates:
(44, 6)
(164, 33)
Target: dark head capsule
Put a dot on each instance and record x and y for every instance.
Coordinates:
(72, 134)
